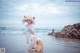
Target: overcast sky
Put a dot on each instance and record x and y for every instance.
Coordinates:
(53, 13)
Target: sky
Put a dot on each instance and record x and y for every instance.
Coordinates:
(48, 13)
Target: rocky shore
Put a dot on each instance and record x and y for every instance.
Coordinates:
(69, 31)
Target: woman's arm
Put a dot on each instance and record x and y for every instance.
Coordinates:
(32, 32)
(31, 29)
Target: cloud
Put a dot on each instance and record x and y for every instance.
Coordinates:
(47, 12)
(36, 9)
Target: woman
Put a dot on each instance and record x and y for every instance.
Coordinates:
(30, 34)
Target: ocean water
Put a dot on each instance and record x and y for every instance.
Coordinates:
(13, 39)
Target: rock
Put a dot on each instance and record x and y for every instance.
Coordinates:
(51, 33)
(69, 31)
(58, 34)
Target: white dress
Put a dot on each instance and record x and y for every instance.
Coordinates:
(28, 33)
(29, 36)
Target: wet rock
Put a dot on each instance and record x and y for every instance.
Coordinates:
(51, 33)
(69, 31)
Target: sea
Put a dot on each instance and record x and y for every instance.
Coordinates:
(13, 39)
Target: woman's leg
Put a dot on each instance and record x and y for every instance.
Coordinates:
(28, 37)
(32, 43)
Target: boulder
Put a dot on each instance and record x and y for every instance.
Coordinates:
(69, 31)
(51, 33)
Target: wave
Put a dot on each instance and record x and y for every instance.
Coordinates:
(19, 30)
